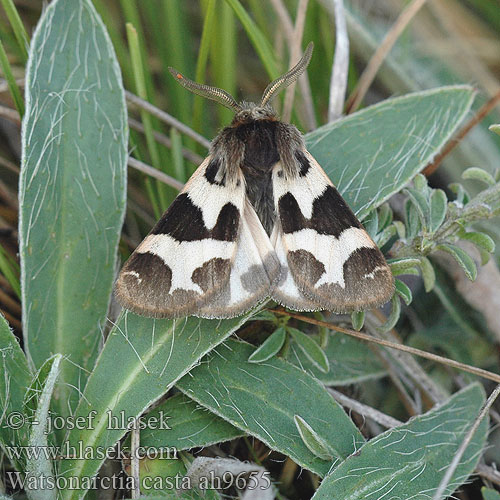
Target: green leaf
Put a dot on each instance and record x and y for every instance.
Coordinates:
(463, 258)
(312, 440)
(271, 393)
(393, 317)
(495, 128)
(439, 204)
(72, 190)
(413, 219)
(372, 154)
(479, 174)
(259, 41)
(428, 273)
(409, 461)
(403, 265)
(350, 360)
(42, 466)
(370, 223)
(140, 362)
(11, 81)
(486, 492)
(311, 349)
(403, 291)
(157, 472)
(17, 26)
(358, 320)
(481, 240)
(270, 347)
(385, 216)
(15, 377)
(190, 426)
(421, 205)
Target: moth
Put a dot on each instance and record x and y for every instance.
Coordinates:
(258, 219)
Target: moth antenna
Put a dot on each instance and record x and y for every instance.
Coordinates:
(288, 78)
(214, 93)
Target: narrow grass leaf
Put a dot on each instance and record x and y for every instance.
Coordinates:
(312, 440)
(259, 41)
(11, 81)
(438, 207)
(270, 347)
(372, 154)
(141, 360)
(350, 360)
(262, 399)
(462, 257)
(10, 269)
(17, 27)
(15, 377)
(311, 349)
(72, 190)
(409, 460)
(41, 467)
(189, 425)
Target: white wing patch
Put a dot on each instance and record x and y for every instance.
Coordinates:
(254, 271)
(183, 257)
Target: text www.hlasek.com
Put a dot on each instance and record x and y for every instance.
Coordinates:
(81, 452)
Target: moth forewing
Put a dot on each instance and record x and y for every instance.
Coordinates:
(332, 260)
(186, 259)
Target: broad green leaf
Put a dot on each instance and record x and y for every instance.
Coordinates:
(393, 317)
(413, 219)
(358, 320)
(403, 265)
(312, 440)
(486, 492)
(403, 291)
(263, 399)
(15, 377)
(372, 154)
(479, 174)
(482, 240)
(41, 466)
(428, 274)
(351, 361)
(439, 204)
(141, 360)
(159, 474)
(409, 461)
(420, 203)
(190, 424)
(462, 257)
(72, 190)
(311, 349)
(270, 347)
(385, 216)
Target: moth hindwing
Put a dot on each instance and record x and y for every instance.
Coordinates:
(259, 218)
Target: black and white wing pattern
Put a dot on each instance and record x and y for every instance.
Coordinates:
(206, 256)
(328, 260)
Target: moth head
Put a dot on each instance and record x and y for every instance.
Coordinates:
(248, 111)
